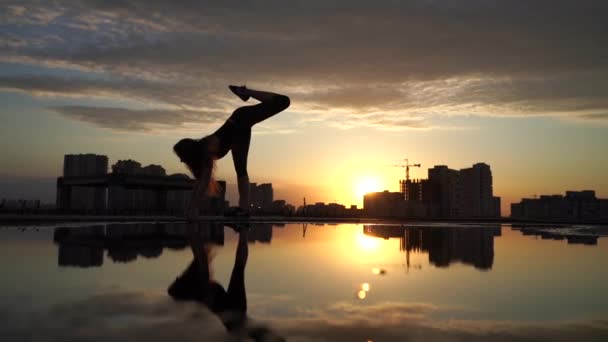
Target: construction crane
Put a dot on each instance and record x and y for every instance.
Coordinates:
(402, 183)
(407, 166)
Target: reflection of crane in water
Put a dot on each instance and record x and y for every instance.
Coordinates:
(406, 243)
(405, 246)
(304, 226)
(403, 182)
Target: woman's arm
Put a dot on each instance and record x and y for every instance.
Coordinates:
(199, 252)
(199, 191)
(192, 212)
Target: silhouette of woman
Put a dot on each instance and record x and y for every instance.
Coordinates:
(234, 135)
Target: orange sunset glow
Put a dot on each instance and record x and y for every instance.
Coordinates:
(359, 104)
(304, 170)
(366, 185)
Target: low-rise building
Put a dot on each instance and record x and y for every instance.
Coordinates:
(575, 205)
(384, 204)
(128, 189)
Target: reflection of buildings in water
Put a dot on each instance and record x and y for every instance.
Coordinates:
(582, 239)
(151, 252)
(260, 232)
(469, 245)
(386, 232)
(84, 246)
(473, 246)
(557, 233)
(79, 256)
(123, 254)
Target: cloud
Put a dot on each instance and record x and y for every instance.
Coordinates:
(415, 322)
(596, 116)
(154, 317)
(14, 12)
(138, 120)
(120, 316)
(8, 41)
(386, 64)
(155, 92)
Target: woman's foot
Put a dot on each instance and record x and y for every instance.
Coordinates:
(239, 91)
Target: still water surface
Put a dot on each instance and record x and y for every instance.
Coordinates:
(302, 282)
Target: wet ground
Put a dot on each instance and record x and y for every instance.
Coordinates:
(272, 281)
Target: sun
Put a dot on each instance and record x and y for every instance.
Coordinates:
(365, 185)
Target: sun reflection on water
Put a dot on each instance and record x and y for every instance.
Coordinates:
(361, 294)
(367, 243)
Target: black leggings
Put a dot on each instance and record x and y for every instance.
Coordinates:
(241, 120)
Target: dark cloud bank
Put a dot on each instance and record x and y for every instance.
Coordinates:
(380, 63)
(154, 317)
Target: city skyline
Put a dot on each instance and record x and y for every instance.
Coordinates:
(520, 87)
(304, 170)
(418, 190)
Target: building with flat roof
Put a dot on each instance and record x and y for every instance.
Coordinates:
(465, 193)
(477, 195)
(384, 204)
(84, 165)
(574, 206)
(86, 199)
(261, 197)
(87, 187)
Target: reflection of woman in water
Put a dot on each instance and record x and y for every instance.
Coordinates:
(197, 284)
(234, 135)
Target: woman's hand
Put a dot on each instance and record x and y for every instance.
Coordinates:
(197, 193)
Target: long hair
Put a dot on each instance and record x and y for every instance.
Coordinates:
(195, 154)
(190, 286)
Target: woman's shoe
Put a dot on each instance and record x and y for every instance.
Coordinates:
(239, 91)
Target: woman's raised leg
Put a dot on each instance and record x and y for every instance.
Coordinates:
(244, 118)
(270, 104)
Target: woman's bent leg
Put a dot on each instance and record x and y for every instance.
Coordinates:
(271, 105)
(244, 118)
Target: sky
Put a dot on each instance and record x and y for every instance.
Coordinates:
(519, 85)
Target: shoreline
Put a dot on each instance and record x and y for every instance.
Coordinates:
(54, 218)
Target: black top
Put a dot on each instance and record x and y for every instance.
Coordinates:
(226, 135)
